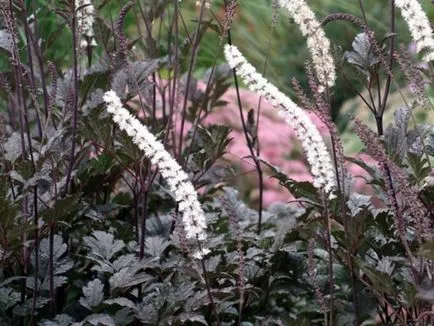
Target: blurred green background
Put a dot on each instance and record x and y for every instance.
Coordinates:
(251, 32)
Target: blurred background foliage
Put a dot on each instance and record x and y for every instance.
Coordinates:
(280, 45)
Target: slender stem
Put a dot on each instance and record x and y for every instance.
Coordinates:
(24, 123)
(252, 153)
(392, 190)
(75, 102)
(249, 144)
(391, 58)
(38, 52)
(204, 98)
(348, 83)
(189, 76)
(264, 69)
(208, 289)
(338, 164)
(143, 218)
(24, 203)
(51, 269)
(31, 69)
(362, 9)
(330, 261)
(172, 95)
(136, 211)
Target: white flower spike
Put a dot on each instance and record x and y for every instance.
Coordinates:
(193, 217)
(85, 20)
(317, 42)
(312, 142)
(419, 26)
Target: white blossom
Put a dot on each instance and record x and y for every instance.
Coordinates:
(312, 142)
(201, 253)
(193, 217)
(207, 3)
(85, 20)
(419, 26)
(317, 42)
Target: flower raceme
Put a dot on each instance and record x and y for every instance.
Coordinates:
(193, 217)
(419, 26)
(85, 20)
(316, 151)
(317, 42)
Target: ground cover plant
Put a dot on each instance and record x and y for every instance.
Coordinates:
(151, 175)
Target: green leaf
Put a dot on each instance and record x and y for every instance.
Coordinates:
(97, 320)
(299, 189)
(419, 165)
(381, 281)
(136, 73)
(208, 145)
(358, 202)
(61, 263)
(427, 250)
(103, 245)
(12, 147)
(59, 320)
(25, 308)
(373, 172)
(430, 144)
(155, 246)
(62, 208)
(93, 294)
(124, 317)
(8, 298)
(363, 55)
(6, 42)
(123, 302)
(192, 317)
(128, 277)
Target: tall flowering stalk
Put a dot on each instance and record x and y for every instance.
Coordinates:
(193, 217)
(312, 142)
(317, 42)
(85, 20)
(419, 26)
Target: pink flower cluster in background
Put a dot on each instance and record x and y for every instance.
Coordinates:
(278, 146)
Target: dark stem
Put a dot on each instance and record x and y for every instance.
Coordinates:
(32, 73)
(38, 53)
(51, 270)
(24, 123)
(203, 103)
(143, 218)
(392, 191)
(264, 69)
(249, 144)
(341, 193)
(36, 267)
(208, 288)
(24, 205)
(89, 52)
(172, 92)
(391, 58)
(330, 262)
(189, 75)
(75, 103)
(136, 211)
(362, 9)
